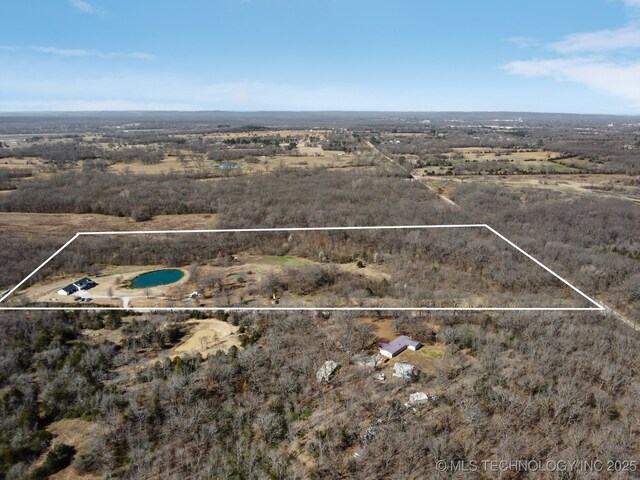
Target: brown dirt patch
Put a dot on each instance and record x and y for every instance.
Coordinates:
(207, 337)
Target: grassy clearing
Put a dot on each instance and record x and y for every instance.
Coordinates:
(247, 166)
(22, 163)
(77, 433)
(70, 223)
(167, 165)
(435, 352)
(579, 163)
(426, 359)
(523, 160)
(284, 260)
(462, 161)
(489, 154)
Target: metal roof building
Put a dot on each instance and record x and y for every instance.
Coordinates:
(82, 284)
(398, 346)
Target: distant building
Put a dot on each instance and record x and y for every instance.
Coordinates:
(229, 166)
(398, 346)
(82, 284)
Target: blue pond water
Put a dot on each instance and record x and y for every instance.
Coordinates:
(157, 278)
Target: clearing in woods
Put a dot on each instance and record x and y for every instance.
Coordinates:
(206, 337)
(296, 301)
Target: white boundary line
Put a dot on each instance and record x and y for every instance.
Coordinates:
(597, 307)
(600, 307)
(38, 269)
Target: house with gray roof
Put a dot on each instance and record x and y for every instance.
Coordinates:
(82, 284)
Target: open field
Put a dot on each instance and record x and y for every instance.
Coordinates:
(169, 164)
(485, 154)
(42, 224)
(587, 185)
(321, 133)
(471, 159)
(32, 164)
(605, 186)
(328, 159)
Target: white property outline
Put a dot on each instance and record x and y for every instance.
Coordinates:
(598, 307)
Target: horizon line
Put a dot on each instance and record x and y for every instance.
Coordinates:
(405, 112)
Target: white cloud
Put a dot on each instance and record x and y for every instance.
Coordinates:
(80, 52)
(607, 61)
(86, 7)
(621, 80)
(600, 41)
(524, 42)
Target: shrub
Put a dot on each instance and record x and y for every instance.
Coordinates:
(57, 459)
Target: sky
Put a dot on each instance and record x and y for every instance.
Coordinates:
(569, 56)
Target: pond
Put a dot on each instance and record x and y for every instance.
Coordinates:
(157, 278)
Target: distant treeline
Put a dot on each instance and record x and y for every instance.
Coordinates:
(66, 154)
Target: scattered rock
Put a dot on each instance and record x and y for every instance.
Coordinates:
(326, 371)
(368, 434)
(418, 398)
(405, 371)
(364, 360)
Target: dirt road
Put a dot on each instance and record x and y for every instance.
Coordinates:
(414, 176)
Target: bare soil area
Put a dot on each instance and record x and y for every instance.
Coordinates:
(207, 337)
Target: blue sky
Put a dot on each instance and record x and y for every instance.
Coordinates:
(579, 56)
